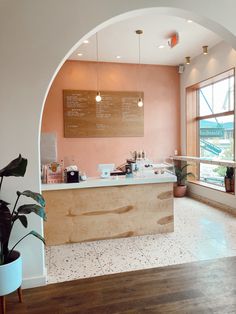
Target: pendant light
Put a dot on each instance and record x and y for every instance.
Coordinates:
(98, 97)
(139, 32)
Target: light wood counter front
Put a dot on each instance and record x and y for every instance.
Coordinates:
(87, 214)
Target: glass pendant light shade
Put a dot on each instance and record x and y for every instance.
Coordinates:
(98, 97)
(140, 102)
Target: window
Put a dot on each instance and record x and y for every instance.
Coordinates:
(215, 126)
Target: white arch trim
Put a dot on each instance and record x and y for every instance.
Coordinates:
(36, 38)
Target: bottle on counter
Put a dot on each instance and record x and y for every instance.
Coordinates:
(139, 155)
(83, 176)
(63, 171)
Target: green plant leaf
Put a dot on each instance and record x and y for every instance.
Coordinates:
(32, 208)
(185, 166)
(229, 172)
(190, 174)
(37, 235)
(181, 173)
(2, 202)
(34, 233)
(35, 196)
(5, 228)
(15, 168)
(22, 218)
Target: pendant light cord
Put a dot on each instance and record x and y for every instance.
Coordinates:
(139, 61)
(97, 57)
(139, 58)
(139, 33)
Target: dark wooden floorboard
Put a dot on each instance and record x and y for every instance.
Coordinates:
(200, 287)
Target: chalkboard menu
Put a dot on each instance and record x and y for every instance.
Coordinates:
(117, 115)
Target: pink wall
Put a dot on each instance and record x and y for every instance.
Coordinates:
(161, 112)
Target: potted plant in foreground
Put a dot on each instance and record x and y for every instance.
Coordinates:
(229, 179)
(10, 260)
(181, 173)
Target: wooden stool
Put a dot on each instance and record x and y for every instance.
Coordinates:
(3, 300)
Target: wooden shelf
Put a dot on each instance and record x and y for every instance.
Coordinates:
(224, 163)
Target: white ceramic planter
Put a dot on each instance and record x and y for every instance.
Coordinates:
(11, 275)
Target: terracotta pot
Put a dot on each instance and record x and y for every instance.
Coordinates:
(180, 190)
(228, 184)
(232, 184)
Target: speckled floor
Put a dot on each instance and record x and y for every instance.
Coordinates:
(201, 232)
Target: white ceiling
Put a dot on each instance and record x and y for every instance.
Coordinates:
(121, 39)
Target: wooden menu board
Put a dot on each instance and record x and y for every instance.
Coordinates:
(117, 115)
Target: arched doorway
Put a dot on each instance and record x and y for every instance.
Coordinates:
(96, 29)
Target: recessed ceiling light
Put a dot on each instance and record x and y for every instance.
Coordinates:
(189, 21)
(86, 41)
(79, 54)
(161, 46)
(118, 57)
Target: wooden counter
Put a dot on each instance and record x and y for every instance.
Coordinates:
(108, 208)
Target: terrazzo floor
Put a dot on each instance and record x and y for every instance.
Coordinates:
(201, 232)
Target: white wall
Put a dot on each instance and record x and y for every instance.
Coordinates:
(35, 38)
(220, 58)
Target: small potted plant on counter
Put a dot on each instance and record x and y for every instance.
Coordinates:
(229, 179)
(181, 173)
(10, 260)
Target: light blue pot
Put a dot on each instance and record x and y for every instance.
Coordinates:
(11, 275)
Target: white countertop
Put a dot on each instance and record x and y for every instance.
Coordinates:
(112, 181)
